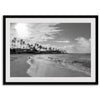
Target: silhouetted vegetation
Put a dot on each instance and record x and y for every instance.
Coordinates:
(20, 46)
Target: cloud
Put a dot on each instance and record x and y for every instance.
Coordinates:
(43, 31)
(69, 48)
(49, 45)
(64, 41)
(82, 45)
(34, 32)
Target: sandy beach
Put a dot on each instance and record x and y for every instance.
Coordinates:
(41, 66)
(18, 65)
(28, 65)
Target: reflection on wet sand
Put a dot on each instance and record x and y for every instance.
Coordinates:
(47, 66)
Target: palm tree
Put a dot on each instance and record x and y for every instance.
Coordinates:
(21, 43)
(40, 47)
(50, 49)
(14, 42)
(28, 45)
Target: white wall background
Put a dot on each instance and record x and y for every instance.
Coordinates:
(47, 7)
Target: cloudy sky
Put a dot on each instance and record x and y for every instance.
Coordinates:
(73, 37)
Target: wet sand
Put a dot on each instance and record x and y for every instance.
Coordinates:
(41, 66)
(18, 65)
(28, 65)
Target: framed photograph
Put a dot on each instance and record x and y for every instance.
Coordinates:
(50, 50)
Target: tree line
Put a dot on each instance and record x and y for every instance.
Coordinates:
(19, 46)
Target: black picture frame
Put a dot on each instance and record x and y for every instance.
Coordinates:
(50, 16)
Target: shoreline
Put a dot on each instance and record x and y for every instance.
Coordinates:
(19, 66)
(43, 66)
(36, 62)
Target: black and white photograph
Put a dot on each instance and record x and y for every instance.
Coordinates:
(40, 49)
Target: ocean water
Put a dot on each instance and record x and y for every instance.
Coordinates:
(75, 62)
